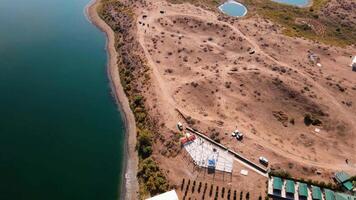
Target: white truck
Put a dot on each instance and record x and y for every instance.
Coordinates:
(263, 160)
(180, 126)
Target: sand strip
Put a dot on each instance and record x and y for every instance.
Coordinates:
(130, 186)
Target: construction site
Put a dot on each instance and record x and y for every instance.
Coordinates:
(245, 92)
(217, 164)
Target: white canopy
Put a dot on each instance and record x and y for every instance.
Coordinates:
(171, 195)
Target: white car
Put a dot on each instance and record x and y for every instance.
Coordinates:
(180, 126)
(263, 160)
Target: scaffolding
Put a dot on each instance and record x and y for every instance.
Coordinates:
(207, 155)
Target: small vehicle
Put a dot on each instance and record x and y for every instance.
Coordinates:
(180, 126)
(239, 136)
(236, 133)
(263, 160)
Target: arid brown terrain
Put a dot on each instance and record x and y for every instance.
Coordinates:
(294, 99)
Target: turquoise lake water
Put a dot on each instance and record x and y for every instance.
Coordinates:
(233, 9)
(300, 3)
(62, 136)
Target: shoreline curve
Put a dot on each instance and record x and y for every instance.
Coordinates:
(129, 187)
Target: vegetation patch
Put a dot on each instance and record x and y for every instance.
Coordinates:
(134, 77)
(307, 22)
(311, 120)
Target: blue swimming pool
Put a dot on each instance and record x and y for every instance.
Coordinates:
(233, 8)
(300, 3)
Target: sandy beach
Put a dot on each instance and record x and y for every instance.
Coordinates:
(129, 186)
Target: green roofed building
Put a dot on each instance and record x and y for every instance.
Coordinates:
(277, 183)
(342, 196)
(343, 179)
(316, 193)
(290, 186)
(303, 190)
(348, 185)
(329, 194)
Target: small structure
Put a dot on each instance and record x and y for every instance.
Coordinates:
(303, 191)
(277, 186)
(290, 189)
(329, 194)
(244, 172)
(343, 179)
(353, 64)
(187, 138)
(211, 163)
(170, 195)
(343, 196)
(316, 193)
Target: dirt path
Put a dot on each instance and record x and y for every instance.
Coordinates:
(167, 94)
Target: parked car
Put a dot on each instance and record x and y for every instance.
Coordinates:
(236, 133)
(263, 160)
(239, 136)
(180, 126)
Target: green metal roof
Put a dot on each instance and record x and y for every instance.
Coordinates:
(341, 196)
(303, 190)
(277, 183)
(342, 177)
(316, 193)
(290, 186)
(329, 194)
(348, 185)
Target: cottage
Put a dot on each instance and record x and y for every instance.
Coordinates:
(343, 179)
(277, 186)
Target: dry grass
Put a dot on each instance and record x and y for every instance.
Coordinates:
(335, 34)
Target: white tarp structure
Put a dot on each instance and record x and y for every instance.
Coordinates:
(171, 195)
(202, 151)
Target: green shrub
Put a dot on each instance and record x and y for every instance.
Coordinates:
(150, 174)
(144, 143)
(311, 120)
(280, 173)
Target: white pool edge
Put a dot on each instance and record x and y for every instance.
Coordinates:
(235, 2)
(310, 3)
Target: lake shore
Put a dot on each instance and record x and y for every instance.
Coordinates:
(129, 187)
